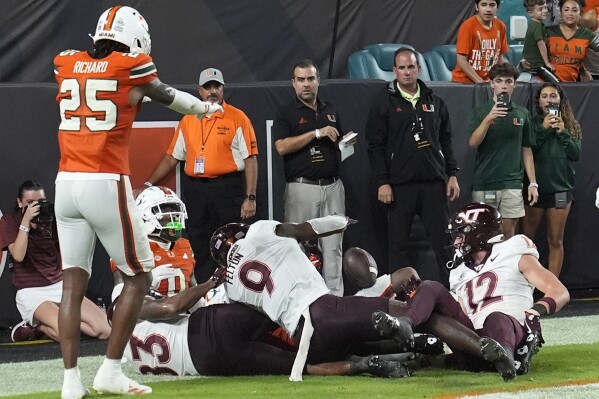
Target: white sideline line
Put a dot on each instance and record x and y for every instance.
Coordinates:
(570, 392)
(46, 375)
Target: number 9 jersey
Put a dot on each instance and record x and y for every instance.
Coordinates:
(96, 116)
(272, 274)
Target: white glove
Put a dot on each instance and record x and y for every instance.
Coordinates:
(161, 273)
(597, 199)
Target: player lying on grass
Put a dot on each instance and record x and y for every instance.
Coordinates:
(222, 339)
(267, 270)
(493, 281)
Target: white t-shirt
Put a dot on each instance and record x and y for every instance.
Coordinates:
(161, 348)
(273, 275)
(497, 286)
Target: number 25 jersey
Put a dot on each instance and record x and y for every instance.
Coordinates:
(96, 117)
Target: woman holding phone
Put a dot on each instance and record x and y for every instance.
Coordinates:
(558, 146)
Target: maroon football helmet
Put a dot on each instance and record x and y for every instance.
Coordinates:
(478, 223)
(223, 238)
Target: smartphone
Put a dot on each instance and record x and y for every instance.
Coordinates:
(553, 110)
(561, 200)
(503, 99)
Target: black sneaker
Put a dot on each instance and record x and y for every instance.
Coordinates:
(25, 332)
(500, 357)
(386, 368)
(526, 351)
(397, 328)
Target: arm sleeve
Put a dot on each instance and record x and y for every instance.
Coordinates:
(503, 34)
(464, 42)
(571, 146)
(177, 148)
(377, 125)
(8, 231)
(528, 135)
(445, 139)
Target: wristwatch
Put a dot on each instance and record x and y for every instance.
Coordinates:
(251, 197)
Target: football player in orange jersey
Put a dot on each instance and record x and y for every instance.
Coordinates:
(100, 92)
(164, 217)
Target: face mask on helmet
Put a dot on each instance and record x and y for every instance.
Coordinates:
(473, 228)
(223, 239)
(163, 213)
(124, 25)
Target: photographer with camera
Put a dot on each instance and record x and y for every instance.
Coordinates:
(29, 234)
(501, 131)
(558, 145)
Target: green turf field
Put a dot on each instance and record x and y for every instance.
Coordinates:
(569, 358)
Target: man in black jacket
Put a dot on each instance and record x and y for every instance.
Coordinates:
(411, 158)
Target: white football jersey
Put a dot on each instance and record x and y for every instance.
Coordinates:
(382, 287)
(272, 274)
(498, 285)
(215, 296)
(161, 348)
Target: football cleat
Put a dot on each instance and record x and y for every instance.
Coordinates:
(385, 368)
(120, 385)
(74, 392)
(500, 357)
(428, 344)
(524, 353)
(397, 328)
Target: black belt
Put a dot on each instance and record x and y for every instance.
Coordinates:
(228, 176)
(317, 182)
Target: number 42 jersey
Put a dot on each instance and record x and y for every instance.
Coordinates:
(96, 117)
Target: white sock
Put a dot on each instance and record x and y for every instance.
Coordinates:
(72, 375)
(111, 367)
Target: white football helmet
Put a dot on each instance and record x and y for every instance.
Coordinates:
(163, 212)
(124, 25)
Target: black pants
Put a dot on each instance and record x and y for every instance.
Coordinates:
(429, 202)
(210, 203)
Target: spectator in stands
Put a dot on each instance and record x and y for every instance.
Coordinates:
(502, 133)
(30, 236)
(307, 131)
(535, 41)
(558, 145)
(566, 57)
(590, 20)
(482, 42)
(221, 168)
(411, 157)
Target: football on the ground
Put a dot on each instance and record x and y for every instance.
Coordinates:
(359, 267)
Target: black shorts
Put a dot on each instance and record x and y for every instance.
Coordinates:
(552, 200)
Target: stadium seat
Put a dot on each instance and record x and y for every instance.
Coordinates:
(441, 61)
(518, 26)
(376, 62)
(515, 54)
